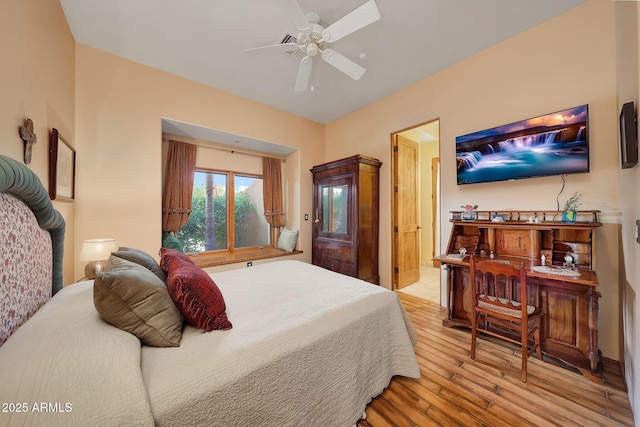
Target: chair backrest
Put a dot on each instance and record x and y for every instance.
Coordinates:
(500, 285)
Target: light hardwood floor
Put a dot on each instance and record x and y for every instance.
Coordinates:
(428, 287)
(454, 390)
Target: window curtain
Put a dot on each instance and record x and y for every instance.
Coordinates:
(272, 191)
(178, 185)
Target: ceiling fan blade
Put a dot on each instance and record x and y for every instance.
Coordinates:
(295, 13)
(281, 47)
(343, 64)
(304, 74)
(366, 14)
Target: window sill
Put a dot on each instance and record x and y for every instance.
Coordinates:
(213, 259)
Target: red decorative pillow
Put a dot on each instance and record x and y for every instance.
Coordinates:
(167, 256)
(194, 292)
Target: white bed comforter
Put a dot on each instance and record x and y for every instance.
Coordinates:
(308, 347)
(67, 367)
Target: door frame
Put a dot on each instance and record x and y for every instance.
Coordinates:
(436, 201)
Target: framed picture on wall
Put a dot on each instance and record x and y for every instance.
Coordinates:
(62, 168)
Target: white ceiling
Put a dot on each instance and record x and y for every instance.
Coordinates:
(204, 40)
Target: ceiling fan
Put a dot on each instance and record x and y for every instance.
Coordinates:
(312, 39)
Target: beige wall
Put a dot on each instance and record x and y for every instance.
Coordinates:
(555, 65)
(37, 81)
(628, 56)
(119, 107)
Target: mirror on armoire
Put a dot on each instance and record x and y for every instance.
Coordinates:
(334, 206)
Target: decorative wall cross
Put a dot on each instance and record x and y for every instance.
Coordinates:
(29, 137)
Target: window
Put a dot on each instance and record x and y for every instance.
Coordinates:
(219, 222)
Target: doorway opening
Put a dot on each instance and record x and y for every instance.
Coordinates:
(415, 210)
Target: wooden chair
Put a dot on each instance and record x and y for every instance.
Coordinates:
(498, 290)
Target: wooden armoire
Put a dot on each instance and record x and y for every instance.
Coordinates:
(346, 216)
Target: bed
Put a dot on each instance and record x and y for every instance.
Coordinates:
(307, 346)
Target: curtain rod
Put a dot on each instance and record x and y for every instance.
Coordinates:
(230, 150)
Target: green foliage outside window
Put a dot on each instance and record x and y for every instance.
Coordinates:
(244, 211)
(193, 234)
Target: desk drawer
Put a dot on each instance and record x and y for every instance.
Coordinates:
(514, 242)
(470, 243)
(336, 264)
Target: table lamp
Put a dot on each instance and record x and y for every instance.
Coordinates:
(96, 251)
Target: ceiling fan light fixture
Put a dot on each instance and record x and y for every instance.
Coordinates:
(313, 39)
(312, 49)
(312, 17)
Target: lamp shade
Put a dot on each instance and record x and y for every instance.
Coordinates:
(97, 249)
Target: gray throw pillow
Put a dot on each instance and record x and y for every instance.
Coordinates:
(142, 258)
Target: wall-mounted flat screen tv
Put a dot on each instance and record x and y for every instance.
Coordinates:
(628, 136)
(553, 144)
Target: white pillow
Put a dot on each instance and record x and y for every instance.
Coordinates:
(288, 239)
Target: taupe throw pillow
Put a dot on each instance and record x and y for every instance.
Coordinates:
(142, 258)
(132, 298)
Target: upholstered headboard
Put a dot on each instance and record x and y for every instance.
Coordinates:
(19, 181)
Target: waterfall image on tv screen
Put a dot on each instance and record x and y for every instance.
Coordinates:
(553, 144)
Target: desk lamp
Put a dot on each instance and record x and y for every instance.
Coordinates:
(96, 251)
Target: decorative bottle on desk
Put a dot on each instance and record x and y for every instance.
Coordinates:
(469, 213)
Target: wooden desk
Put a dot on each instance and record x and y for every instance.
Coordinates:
(570, 304)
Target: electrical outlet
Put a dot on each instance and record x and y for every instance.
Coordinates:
(249, 264)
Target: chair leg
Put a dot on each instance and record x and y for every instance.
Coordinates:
(536, 337)
(524, 329)
(474, 331)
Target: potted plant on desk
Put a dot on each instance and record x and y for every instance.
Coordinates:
(570, 212)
